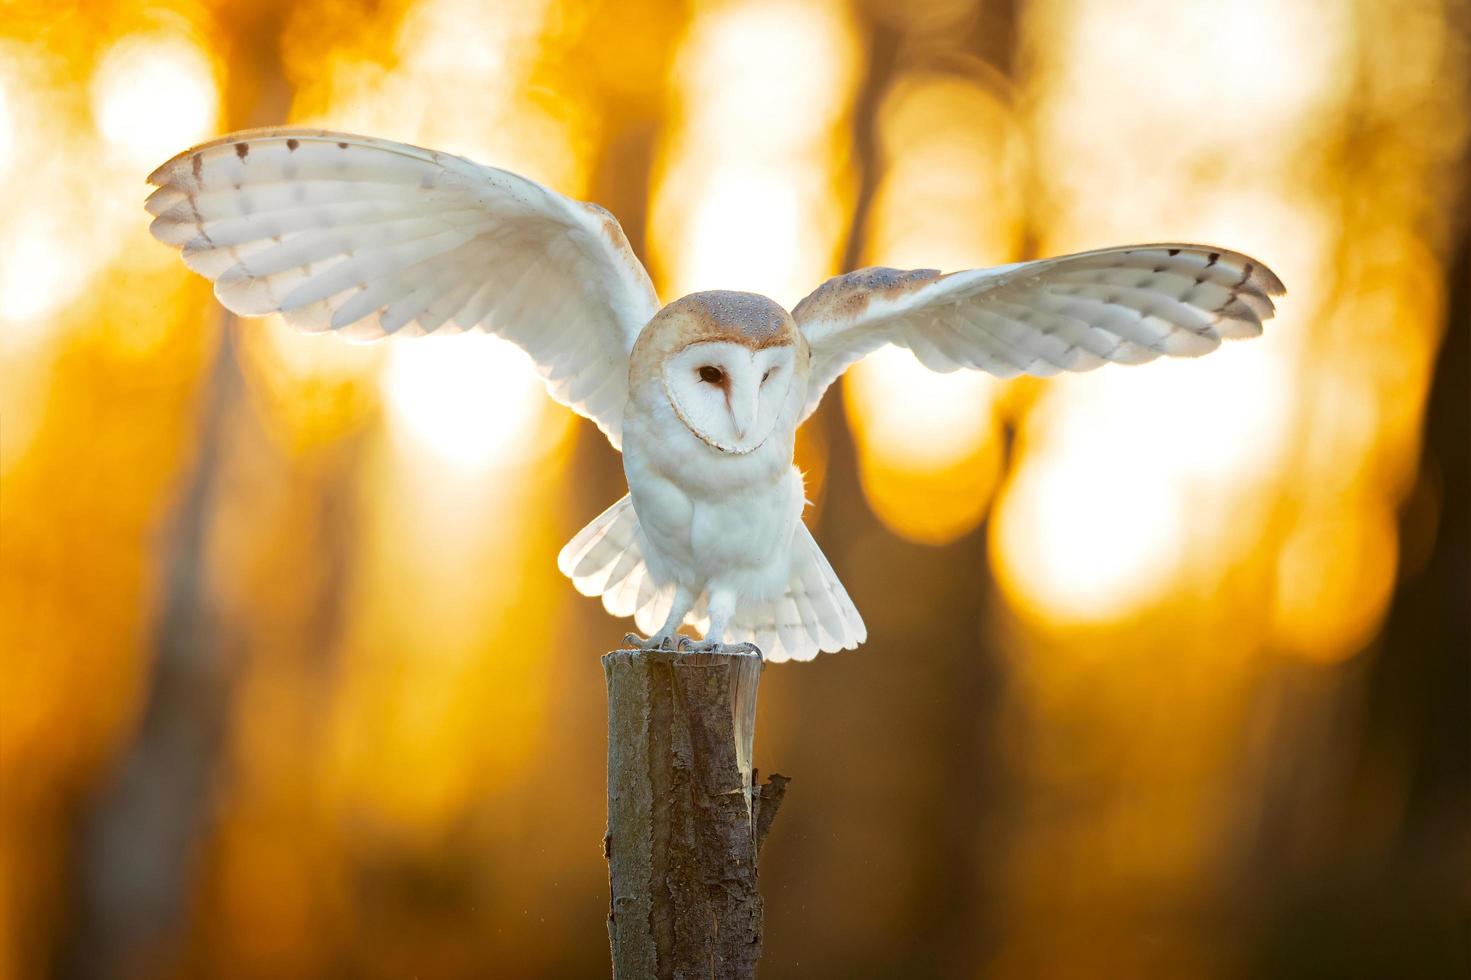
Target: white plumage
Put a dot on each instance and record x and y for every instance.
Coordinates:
(372, 238)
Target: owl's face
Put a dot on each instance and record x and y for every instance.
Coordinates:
(732, 367)
(729, 394)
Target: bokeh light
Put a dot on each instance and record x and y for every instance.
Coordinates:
(1335, 574)
(151, 95)
(39, 275)
(7, 127)
(929, 450)
(1119, 473)
(749, 197)
(1082, 535)
(929, 446)
(471, 400)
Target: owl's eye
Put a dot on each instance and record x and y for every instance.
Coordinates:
(712, 374)
(767, 375)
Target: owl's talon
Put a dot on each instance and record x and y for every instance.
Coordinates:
(633, 641)
(687, 645)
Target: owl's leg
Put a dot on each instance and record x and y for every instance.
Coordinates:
(722, 608)
(684, 600)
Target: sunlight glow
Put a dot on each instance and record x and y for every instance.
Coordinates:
(1261, 64)
(749, 220)
(1212, 419)
(918, 419)
(1189, 449)
(1094, 520)
(7, 129)
(471, 400)
(461, 84)
(747, 196)
(39, 275)
(154, 95)
(316, 388)
(299, 355)
(929, 450)
(1335, 576)
(950, 193)
(1082, 535)
(767, 67)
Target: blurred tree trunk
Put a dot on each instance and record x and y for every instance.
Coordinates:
(136, 840)
(139, 839)
(945, 938)
(1419, 685)
(684, 821)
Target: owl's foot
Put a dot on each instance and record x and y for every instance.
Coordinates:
(686, 645)
(659, 641)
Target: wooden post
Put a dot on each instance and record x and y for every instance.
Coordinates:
(685, 822)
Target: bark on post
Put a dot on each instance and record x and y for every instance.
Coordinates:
(685, 822)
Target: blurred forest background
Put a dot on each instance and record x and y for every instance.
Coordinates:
(1168, 669)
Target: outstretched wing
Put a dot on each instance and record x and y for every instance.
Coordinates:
(1129, 304)
(370, 238)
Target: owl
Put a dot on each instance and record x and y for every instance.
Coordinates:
(370, 238)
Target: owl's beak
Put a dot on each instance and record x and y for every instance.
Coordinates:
(743, 411)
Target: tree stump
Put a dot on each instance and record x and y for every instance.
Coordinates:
(685, 818)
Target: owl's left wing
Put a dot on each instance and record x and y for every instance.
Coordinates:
(370, 237)
(1073, 313)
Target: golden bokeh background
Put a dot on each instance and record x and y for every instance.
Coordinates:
(1168, 670)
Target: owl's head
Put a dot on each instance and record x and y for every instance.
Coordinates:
(732, 366)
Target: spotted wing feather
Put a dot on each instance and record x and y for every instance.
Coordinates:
(370, 238)
(1073, 313)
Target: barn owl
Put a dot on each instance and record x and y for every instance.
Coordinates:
(371, 238)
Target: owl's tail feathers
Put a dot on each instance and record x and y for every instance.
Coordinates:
(813, 616)
(606, 559)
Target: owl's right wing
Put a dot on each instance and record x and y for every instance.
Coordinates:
(370, 238)
(1072, 313)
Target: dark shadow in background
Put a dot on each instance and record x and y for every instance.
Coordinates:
(1405, 913)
